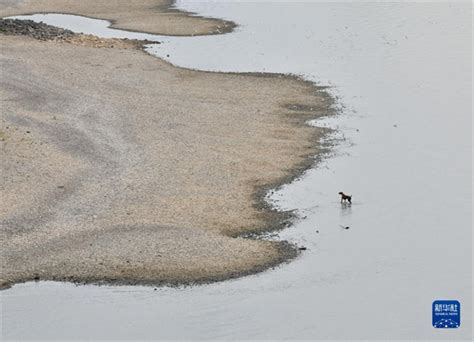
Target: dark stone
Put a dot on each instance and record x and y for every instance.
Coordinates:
(30, 28)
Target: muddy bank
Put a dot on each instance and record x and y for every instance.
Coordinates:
(152, 16)
(120, 168)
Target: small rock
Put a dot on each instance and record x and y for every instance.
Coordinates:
(4, 284)
(302, 248)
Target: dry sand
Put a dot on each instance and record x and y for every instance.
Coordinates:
(118, 167)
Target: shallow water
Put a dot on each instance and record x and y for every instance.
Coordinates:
(402, 75)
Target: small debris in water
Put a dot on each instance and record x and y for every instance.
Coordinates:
(344, 227)
(302, 248)
(317, 231)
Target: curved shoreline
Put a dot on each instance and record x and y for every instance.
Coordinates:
(197, 26)
(270, 219)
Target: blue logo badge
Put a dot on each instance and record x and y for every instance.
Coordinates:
(446, 314)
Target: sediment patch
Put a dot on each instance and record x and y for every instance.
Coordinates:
(118, 167)
(151, 16)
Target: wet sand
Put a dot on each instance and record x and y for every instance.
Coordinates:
(118, 167)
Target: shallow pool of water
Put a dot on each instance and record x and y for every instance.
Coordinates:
(402, 76)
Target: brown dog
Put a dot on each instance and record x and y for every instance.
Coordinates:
(345, 198)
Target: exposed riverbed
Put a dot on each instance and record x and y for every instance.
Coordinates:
(402, 73)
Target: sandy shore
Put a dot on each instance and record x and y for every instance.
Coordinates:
(152, 16)
(118, 167)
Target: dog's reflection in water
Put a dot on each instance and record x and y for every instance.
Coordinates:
(346, 209)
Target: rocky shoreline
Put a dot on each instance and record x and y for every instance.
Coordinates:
(33, 29)
(45, 32)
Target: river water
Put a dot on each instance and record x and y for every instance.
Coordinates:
(401, 73)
